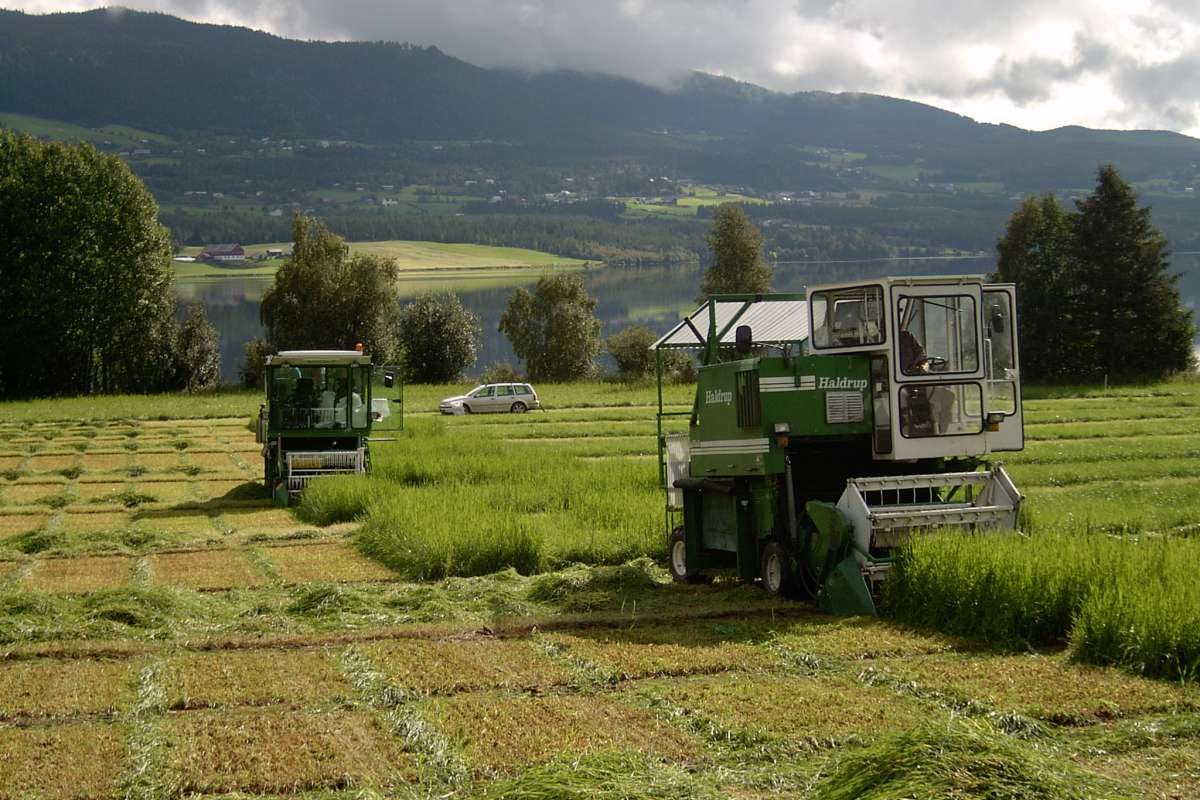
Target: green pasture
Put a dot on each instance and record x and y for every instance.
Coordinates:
(119, 135)
(423, 265)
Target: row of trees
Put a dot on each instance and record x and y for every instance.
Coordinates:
(86, 285)
(1095, 292)
(328, 297)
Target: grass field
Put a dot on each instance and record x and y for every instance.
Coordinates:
(415, 260)
(119, 135)
(164, 632)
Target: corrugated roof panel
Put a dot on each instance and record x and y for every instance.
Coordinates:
(770, 321)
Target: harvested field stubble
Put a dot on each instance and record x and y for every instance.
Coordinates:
(205, 569)
(50, 687)
(456, 665)
(295, 678)
(333, 561)
(285, 752)
(502, 732)
(79, 574)
(60, 762)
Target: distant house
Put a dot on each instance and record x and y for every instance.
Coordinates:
(222, 252)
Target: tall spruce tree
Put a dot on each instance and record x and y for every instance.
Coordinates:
(736, 244)
(1096, 297)
(1130, 300)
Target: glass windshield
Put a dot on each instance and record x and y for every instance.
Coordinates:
(479, 391)
(309, 398)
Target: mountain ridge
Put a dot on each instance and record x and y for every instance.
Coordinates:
(161, 73)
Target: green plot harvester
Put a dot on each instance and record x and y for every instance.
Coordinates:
(829, 426)
(317, 418)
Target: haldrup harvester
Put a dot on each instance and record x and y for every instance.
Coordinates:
(831, 425)
(317, 417)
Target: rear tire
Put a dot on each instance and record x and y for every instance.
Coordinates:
(518, 408)
(775, 568)
(677, 558)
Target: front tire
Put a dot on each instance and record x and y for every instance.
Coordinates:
(466, 409)
(518, 408)
(775, 569)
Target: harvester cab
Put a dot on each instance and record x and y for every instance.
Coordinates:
(316, 419)
(829, 426)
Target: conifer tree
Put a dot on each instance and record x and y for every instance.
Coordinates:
(1096, 298)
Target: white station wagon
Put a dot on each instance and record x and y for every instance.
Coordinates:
(492, 397)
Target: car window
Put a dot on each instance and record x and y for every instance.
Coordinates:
(504, 391)
(522, 389)
(482, 391)
(528, 389)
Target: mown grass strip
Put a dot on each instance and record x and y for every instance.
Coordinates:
(440, 764)
(145, 776)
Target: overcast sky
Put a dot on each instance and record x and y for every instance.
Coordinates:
(1034, 63)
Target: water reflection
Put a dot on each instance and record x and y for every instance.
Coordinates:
(654, 296)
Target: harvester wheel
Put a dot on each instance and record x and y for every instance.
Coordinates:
(677, 550)
(776, 570)
(518, 408)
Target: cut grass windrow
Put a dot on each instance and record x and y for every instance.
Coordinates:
(960, 758)
(436, 755)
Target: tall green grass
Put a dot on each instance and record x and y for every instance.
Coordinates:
(453, 498)
(1127, 601)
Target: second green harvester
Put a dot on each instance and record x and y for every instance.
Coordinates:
(831, 425)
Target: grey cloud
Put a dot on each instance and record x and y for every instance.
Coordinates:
(1163, 95)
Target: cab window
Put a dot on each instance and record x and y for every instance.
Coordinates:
(938, 333)
(848, 317)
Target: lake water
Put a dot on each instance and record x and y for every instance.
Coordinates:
(654, 296)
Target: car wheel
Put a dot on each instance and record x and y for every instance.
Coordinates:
(518, 408)
(466, 409)
(776, 570)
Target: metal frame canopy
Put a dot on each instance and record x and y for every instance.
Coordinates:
(321, 357)
(776, 319)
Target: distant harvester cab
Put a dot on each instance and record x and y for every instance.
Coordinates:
(316, 419)
(829, 426)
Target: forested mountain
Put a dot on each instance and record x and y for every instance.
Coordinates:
(163, 74)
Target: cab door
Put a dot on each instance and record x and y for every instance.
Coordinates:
(938, 403)
(1002, 362)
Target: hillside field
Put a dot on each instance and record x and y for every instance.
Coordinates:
(165, 632)
(414, 259)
